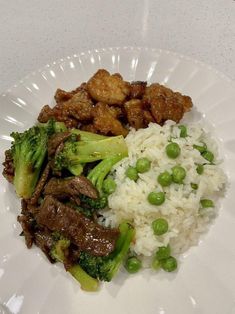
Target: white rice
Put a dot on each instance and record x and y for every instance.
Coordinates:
(186, 219)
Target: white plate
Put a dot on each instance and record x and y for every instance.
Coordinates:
(205, 282)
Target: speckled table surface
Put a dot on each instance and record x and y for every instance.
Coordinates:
(33, 33)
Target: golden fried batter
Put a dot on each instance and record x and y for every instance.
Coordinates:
(110, 89)
(166, 104)
(105, 122)
(135, 113)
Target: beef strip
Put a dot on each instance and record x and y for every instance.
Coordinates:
(26, 222)
(137, 89)
(72, 187)
(55, 140)
(44, 240)
(81, 231)
(40, 185)
(8, 170)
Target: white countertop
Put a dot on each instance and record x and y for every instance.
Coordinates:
(34, 33)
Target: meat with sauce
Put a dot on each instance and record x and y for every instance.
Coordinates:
(165, 104)
(110, 89)
(105, 122)
(71, 187)
(81, 231)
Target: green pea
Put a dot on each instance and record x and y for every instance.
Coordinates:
(178, 174)
(208, 155)
(169, 264)
(194, 186)
(205, 203)
(156, 198)
(183, 130)
(133, 265)
(156, 264)
(200, 148)
(164, 178)
(163, 252)
(143, 165)
(109, 186)
(160, 226)
(173, 150)
(132, 173)
(200, 169)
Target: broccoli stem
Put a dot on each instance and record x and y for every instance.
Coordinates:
(58, 253)
(88, 136)
(87, 282)
(98, 173)
(89, 151)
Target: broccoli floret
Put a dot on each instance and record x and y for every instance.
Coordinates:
(96, 204)
(90, 148)
(105, 268)
(58, 253)
(29, 150)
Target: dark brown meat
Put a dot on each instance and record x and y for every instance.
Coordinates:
(44, 240)
(55, 140)
(8, 170)
(40, 185)
(81, 231)
(105, 122)
(72, 187)
(137, 89)
(135, 113)
(166, 104)
(110, 89)
(26, 223)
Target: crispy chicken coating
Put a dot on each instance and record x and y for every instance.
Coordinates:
(137, 89)
(166, 104)
(135, 113)
(105, 122)
(77, 108)
(110, 89)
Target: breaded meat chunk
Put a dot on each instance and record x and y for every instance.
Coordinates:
(137, 89)
(110, 89)
(77, 108)
(105, 122)
(166, 104)
(135, 113)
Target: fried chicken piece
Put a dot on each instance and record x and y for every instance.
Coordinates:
(77, 108)
(110, 89)
(89, 128)
(166, 104)
(62, 95)
(137, 89)
(135, 113)
(105, 122)
(148, 117)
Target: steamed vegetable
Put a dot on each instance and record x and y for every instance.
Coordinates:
(105, 268)
(90, 148)
(58, 253)
(29, 150)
